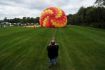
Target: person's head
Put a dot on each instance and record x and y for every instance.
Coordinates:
(52, 42)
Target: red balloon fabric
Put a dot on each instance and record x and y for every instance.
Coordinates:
(53, 17)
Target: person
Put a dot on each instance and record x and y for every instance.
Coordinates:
(52, 52)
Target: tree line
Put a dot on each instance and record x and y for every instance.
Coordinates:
(91, 16)
(23, 20)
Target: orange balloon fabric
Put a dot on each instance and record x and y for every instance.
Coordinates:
(53, 17)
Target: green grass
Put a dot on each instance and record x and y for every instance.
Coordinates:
(81, 48)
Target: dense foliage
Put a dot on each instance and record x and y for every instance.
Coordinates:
(22, 20)
(90, 16)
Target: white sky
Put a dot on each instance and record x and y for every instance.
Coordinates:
(33, 8)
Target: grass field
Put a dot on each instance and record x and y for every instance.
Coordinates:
(81, 48)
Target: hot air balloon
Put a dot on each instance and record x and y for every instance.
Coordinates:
(53, 17)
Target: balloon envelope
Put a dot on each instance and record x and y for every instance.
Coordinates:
(53, 17)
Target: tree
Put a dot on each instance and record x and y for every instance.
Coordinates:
(5, 19)
(82, 14)
(100, 3)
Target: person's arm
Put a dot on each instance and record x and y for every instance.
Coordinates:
(56, 51)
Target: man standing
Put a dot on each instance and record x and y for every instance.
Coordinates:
(53, 52)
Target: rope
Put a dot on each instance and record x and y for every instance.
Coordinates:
(54, 35)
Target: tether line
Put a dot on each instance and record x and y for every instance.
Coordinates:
(54, 34)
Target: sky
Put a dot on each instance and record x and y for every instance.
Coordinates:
(33, 8)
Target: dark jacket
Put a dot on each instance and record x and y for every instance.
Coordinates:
(52, 51)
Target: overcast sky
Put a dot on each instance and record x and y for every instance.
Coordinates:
(33, 8)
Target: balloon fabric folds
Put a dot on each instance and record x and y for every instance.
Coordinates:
(53, 17)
